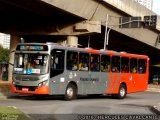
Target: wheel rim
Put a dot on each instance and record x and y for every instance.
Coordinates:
(122, 92)
(70, 92)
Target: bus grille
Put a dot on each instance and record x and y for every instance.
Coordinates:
(26, 78)
(30, 88)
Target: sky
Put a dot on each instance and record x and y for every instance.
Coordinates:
(156, 6)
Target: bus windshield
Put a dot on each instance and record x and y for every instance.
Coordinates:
(31, 63)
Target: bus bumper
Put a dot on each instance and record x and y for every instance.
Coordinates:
(44, 90)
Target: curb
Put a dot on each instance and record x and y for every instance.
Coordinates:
(153, 90)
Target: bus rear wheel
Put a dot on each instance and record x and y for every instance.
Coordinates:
(122, 92)
(71, 92)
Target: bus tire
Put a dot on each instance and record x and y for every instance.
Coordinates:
(121, 93)
(71, 92)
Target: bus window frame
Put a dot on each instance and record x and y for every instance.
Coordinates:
(77, 60)
(116, 68)
(97, 64)
(128, 71)
(109, 65)
(143, 68)
(79, 63)
(131, 68)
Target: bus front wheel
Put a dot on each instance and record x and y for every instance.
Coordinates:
(71, 92)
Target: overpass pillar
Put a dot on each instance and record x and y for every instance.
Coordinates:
(72, 40)
(13, 42)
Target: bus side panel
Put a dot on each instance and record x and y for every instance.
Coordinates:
(58, 84)
(90, 83)
(127, 79)
(97, 83)
(114, 79)
(74, 76)
(141, 80)
(132, 78)
(135, 82)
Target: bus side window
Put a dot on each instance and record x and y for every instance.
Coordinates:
(94, 62)
(72, 60)
(105, 63)
(83, 62)
(142, 63)
(115, 67)
(124, 65)
(133, 65)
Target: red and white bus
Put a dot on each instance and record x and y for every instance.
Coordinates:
(52, 69)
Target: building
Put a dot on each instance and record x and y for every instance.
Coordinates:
(146, 3)
(5, 40)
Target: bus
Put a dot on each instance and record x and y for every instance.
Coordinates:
(53, 69)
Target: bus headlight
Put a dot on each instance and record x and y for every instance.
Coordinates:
(42, 83)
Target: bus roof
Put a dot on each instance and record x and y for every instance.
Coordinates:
(89, 50)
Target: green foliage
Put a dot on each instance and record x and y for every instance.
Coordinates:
(4, 54)
(12, 113)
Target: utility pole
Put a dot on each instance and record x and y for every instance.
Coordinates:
(107, 33)
(151, 11)
(105, 39)
(149, 22)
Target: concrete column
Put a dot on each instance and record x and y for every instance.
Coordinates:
(72, 40)
(13, 42)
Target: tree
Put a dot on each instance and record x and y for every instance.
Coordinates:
(4, 54)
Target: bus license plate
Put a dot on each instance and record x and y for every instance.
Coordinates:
(24, 89)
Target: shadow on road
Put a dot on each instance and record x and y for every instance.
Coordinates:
(61, 98)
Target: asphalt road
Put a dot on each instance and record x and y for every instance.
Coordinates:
(46, 108)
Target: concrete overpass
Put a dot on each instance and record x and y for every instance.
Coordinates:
(54, 20)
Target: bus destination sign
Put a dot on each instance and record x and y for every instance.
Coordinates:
(32, 48)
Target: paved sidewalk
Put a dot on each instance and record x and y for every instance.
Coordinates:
(155, 88)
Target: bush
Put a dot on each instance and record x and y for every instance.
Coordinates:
(4, 55)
